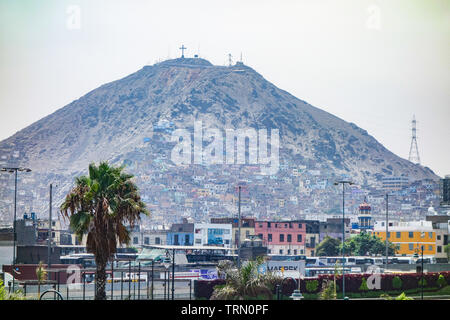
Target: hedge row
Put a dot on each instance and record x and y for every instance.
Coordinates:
(203, 289)
(358, 282)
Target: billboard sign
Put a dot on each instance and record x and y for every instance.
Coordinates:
(285, 269)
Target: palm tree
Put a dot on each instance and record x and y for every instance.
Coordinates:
(245, 283)
(100, 206)
(41, 275)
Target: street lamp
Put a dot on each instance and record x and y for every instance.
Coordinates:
(387, 231)
(15, 170)
(166, 264)
(343, 182)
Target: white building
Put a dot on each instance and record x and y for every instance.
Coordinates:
(213, 234)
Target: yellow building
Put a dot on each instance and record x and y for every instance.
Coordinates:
(409, 236)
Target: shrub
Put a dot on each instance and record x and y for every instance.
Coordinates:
(403, 296)
(396, 282)
(363, 286)
(328, 291)
(441, 282)
(205, 288)
(419, 284)
(288, 286)
(312, 285)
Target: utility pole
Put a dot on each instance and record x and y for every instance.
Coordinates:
(239, 229)
(49, 251)
(343, 232)
(14, 229)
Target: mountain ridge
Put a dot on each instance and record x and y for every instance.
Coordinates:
(119, 114)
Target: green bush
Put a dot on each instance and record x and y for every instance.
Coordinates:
(364, 286)
(441, 281)
(18, 295)
(328, 291)
(311, 286)
(424, 283)
(403, 297)
(396, 282)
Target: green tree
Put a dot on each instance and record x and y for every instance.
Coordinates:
(365, 243)
(447, 251)
(328, 247)
(246, 282)
(41, 275)
(101, 206)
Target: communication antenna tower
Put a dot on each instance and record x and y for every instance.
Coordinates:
(413, 150)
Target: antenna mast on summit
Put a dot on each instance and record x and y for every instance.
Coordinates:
(230, 62)
(414, 150)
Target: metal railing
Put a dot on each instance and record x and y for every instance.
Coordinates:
(126, 283)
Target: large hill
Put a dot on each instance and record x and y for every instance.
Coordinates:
(131, 119)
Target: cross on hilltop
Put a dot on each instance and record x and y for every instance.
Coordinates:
(182, 48)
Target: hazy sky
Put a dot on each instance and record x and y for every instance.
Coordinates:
(371, 62)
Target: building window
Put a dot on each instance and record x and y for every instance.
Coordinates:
(157, 240)
(281, 251)
(430, 235)
(135, 240)
(260, 235)
(186, 239)
(299, 238)
(388, 234)
(439, 249)
(247, 234)
(411, 246)
(269, 237)
(439, 237)
(146, 240)
(281, 237)
(430, 248)
(295, 252)
(289, 238)
(411, 234)
(299, 225)
(198, 241)
(269, 225)
(398, 235)
(175, 240)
